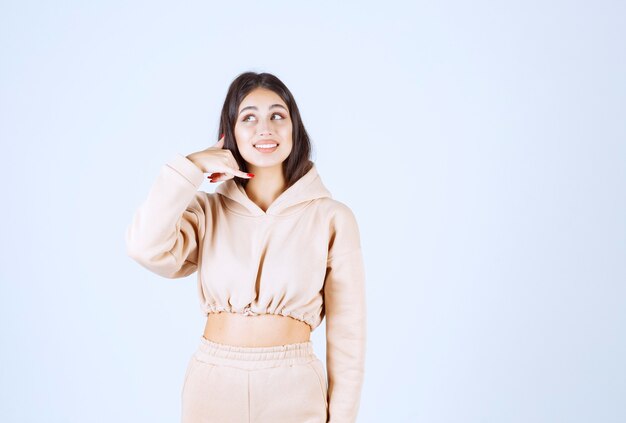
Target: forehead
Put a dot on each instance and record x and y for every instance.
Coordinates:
(261, 98)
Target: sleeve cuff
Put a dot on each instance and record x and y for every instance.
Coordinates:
(187, 169)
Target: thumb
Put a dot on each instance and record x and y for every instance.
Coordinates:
(219, 143)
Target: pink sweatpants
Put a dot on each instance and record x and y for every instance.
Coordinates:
(231, 384)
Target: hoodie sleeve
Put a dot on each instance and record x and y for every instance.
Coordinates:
(166, 229)
(345, 309)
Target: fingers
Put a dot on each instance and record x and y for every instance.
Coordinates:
(222, 176)
(217, 176)
(230, 160)
(230, 168)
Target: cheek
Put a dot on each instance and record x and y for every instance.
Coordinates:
(288, 144)
(242, 129)
(242, 135)
(286, 131)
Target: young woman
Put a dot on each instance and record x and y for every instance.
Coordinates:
(274, 253)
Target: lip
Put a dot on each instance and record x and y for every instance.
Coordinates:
(266, 150)
(267, 141)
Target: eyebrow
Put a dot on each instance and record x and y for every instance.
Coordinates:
(256, 108)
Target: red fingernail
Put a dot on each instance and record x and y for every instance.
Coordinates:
(221, 135)
(251, 175)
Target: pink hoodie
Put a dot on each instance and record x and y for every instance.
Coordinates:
(301, 258)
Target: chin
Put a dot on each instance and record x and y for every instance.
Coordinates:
(263, 163)
(270, 161)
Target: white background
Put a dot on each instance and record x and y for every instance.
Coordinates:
(481, 145)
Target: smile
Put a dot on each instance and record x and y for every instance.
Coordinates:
(266, 148)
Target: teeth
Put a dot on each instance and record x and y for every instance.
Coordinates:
(266, 145)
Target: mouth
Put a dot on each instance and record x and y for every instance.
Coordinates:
(266, 146)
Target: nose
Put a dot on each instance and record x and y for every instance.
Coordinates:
(264, 127)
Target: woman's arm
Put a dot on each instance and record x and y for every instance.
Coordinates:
(345, 310)
(167, 227)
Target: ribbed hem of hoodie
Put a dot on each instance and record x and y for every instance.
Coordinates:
(187, 169)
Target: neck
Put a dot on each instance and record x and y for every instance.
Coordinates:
(268, 183)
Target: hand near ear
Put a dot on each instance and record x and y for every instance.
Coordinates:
(219, 162)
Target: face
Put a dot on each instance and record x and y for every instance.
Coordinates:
(263, 119)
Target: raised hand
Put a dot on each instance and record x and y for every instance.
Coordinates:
(219, 162)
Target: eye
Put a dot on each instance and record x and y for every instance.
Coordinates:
(245, 119)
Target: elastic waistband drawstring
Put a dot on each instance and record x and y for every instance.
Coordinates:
(254, 357)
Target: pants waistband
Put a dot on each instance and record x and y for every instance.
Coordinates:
(254, 357)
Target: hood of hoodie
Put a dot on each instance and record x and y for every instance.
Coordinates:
(306, 189)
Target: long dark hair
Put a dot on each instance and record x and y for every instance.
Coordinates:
(299, 160)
